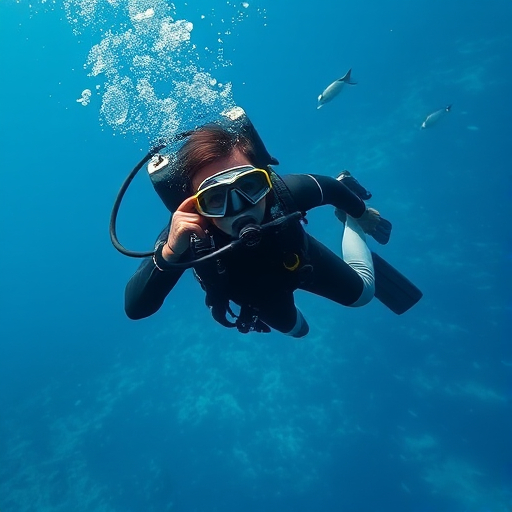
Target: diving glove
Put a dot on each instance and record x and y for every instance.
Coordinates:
(381, 232)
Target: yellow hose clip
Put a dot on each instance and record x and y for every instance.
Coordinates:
(293, 265)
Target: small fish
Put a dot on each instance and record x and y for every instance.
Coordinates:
(435, 116)
(405, 488)
(334, 89)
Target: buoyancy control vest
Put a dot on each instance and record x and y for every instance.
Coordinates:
(278, 261)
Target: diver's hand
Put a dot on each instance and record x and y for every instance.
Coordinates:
(185, 221)
(369, 221)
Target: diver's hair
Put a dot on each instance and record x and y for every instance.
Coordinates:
(207, 144)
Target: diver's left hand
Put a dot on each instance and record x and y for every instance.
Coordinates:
(369, 220)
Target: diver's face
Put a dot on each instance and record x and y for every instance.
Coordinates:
(235, 159)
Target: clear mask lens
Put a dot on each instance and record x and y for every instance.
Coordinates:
(229, 193)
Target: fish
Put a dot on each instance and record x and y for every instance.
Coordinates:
(331, 91)
(435, 116)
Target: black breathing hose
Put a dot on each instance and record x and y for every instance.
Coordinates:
(117, 204)
(250, 235)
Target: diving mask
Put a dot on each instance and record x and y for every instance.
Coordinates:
(232, 191)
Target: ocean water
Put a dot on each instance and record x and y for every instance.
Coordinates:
(371, 412)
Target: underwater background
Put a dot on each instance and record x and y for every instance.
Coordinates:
(371, 412)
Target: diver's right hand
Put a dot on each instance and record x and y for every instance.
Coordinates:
(185, 221)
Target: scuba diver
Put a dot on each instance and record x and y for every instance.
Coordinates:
(239, 225)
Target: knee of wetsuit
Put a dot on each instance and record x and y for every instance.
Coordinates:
(367, 294)
(301, 327)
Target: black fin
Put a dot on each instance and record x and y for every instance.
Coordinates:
(392, 288)
(351, 183)
(383, 231)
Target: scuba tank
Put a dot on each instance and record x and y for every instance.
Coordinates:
(173, 188)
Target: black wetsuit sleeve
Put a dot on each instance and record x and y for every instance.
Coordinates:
(312, 190)
(148, 287)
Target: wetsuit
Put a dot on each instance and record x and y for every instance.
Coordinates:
(255, 277)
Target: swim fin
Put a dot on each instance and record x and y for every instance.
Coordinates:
(392, 288)
(350, 182)
(382, 231)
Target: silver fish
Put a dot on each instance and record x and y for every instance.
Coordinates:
(435, 116)
(334, 89)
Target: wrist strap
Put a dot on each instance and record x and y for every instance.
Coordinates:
(160, 262)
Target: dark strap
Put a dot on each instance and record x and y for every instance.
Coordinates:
(219, 315)
(246, 321)
(283, 194)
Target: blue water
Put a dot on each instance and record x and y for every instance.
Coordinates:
(372, 412)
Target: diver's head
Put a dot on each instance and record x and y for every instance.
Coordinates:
(229, 189)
